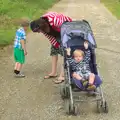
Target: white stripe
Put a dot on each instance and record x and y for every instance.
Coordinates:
(55, 21)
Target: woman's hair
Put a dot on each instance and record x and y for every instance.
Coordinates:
(78, 52)
(38, 24)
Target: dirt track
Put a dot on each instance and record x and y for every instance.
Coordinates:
(34, 98)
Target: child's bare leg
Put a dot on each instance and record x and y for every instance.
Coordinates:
(16, 65)
(76, 76)
(91, 78)
(19, 66)
(17, 70)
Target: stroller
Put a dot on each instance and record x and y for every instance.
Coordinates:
(73, 35)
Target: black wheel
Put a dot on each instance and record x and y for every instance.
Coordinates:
(76, 110)
(105, 107)
(67, 91)
(99, 106)
(67, 107)
(64, 91)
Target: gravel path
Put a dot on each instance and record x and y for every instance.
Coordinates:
(34, 98)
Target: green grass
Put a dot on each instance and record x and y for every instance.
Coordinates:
(113, 6)
(13, 10)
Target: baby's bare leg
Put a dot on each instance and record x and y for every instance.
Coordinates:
(76, 76)
(91, 78)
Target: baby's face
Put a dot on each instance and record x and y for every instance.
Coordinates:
(78, 58)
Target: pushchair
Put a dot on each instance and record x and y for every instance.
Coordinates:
(73, 35)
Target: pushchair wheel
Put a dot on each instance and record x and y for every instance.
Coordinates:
(99, 105)
(102, 106)
(67, 107)
(105, 107)
(64, 91)
(75, 110)
(71, 108)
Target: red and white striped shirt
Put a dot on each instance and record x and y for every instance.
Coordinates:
(55, 20)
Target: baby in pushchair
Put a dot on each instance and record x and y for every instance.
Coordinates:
(80, 66)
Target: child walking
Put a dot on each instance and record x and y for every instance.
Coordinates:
(20, 47)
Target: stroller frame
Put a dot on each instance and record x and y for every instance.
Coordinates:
(68, 90)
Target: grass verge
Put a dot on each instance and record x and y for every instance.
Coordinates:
(113, 6)
(13, 10)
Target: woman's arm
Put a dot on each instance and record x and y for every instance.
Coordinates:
(52, 40)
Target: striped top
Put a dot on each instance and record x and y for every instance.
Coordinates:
(82, 65)
(55, 20)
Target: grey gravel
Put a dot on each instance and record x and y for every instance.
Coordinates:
(33, 98)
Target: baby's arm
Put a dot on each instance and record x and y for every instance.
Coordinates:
(86, 69)
(76, 76)
(70, 60)
(68, 50)
(87, 57)
(87, 52)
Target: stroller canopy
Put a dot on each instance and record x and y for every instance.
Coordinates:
(79, 29)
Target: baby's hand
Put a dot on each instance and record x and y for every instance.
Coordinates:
(86, 44)
(68, 51)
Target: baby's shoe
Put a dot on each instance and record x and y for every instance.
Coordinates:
(91, 87)
(85, 83)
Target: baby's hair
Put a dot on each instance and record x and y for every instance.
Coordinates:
(24, 22)
(78, 52)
